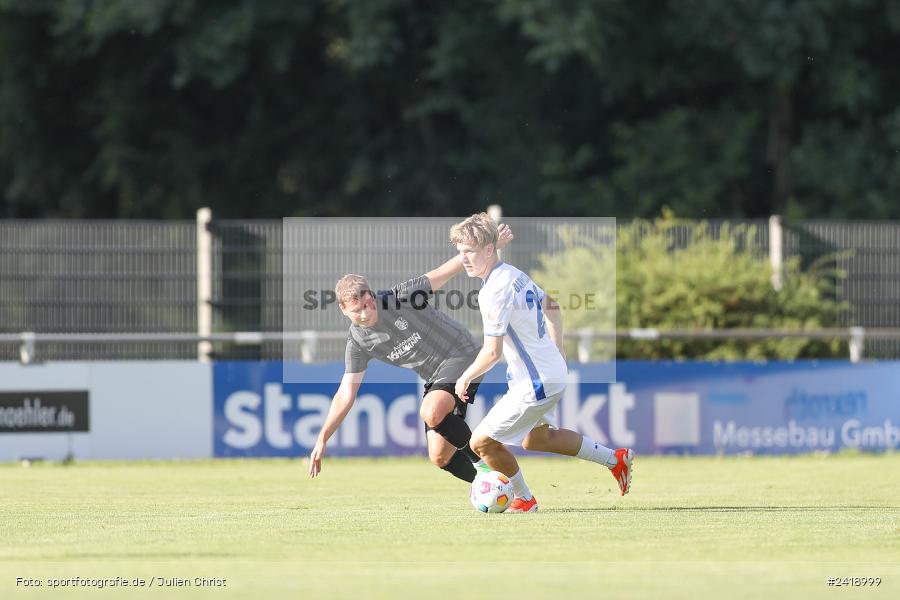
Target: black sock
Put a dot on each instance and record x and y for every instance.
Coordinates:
(455, 430)
(460, 466)
(470, 453)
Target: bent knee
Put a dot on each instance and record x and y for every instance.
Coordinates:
(440, 458)
(537, 440)
(480, 444)
(429, 415)
(434, 412)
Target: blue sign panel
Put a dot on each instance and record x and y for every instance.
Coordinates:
(654, 407)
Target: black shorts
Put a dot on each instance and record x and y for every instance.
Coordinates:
(445, 379)
(450, 387)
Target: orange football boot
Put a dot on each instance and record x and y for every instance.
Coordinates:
(622, 470)
(521, 505)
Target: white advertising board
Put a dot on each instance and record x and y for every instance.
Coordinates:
(135, 410)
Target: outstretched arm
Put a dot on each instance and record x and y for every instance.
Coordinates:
(444, 273)
(340, 406)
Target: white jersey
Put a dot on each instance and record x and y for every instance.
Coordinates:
(510, 305)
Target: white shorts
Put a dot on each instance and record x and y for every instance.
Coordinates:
(511, 419)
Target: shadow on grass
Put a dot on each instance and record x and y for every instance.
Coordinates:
(725, 509)
(121, 556)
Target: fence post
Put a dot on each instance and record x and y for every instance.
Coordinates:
(26, 350)
(857, 340)
(585, 341)
(204, 282)
(308, 349)
(776, 244)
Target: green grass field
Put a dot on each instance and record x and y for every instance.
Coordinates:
(692, 527)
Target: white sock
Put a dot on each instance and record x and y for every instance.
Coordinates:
(520, 488)
(596, 452)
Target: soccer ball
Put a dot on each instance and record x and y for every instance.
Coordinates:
(491, 492)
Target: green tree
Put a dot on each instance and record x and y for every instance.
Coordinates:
(673, 274)
(118, 108)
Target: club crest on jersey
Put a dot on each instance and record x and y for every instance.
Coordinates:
(401, 324)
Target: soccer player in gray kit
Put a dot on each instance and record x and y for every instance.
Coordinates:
(400, 327)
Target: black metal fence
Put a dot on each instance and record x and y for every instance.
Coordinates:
(141, 277)
(98, 276)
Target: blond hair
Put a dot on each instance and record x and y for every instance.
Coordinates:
(351, 287)
(478, 230)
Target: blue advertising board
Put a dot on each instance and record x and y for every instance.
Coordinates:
(654, 407)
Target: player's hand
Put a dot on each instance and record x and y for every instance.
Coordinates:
(462, 389)
(315, 459)
(505, 236)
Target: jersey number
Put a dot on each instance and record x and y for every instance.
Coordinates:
(533, 301)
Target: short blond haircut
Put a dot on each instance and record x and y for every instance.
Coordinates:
(478, 230)
(351, 287)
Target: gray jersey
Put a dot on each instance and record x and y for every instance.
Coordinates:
(410, 333)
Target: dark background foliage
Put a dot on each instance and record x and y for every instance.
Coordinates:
(270, 108)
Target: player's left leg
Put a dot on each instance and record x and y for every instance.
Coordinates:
(443, 412)
(444, 455)
(499, 458)
(495, 454)
(508, 422)
(545, 438)
(448, 435)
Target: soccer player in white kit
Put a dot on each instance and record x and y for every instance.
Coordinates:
(523, 325)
